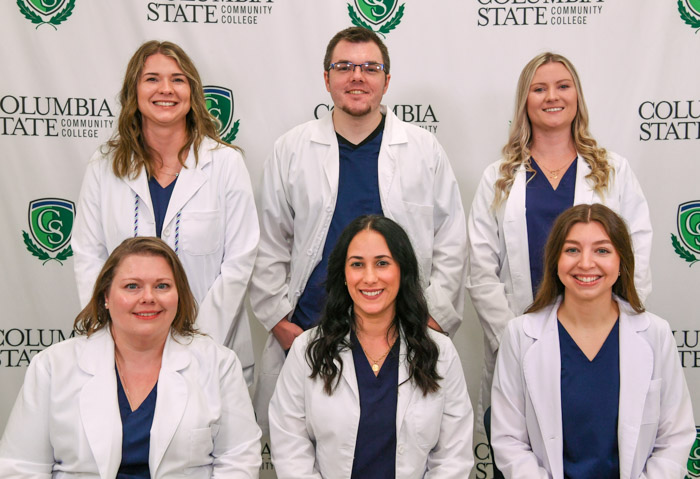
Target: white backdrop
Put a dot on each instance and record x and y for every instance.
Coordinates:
(455, 64)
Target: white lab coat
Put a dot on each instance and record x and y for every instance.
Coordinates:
(417, 189)
(218, 235)
(498, 263)
(313, 435)
(66, 420)
(655, 424)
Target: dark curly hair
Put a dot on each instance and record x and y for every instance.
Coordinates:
(411, 320)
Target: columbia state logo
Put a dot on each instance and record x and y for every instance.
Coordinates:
(382, 14)
(220, 105)
(46, 12)
(688, 240)
(690, 13)
(694, 458)
(50, 224)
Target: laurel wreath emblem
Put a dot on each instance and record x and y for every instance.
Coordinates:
(57, 19)
(687, 17)
(385, 28)
(231, 135)
(43, 255)
(686, 255)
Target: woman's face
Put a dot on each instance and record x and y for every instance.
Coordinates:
(163, 93)
(588, 265)
(142, 300)
(552, 101)
(372, 276)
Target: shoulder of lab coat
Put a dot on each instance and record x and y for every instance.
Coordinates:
(655, 425)
(434, 432)
(69, 402)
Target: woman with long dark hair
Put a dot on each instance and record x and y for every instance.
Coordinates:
(587, 383)
(372, 392)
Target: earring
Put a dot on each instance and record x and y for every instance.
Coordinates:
(106, 305)
(346, 283)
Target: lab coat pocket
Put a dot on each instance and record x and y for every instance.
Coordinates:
(201, 232)
(201, 447)
(423, 420)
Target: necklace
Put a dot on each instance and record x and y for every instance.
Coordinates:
(553, 174)
(375, 362)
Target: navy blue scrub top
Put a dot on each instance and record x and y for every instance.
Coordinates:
(542, 206)
(160, 197)
(358, 194)
(136, 434)
(590, 398)
(375, 447)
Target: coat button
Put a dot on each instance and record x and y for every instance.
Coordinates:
(310, 252)
(166, 232)
(400, 450)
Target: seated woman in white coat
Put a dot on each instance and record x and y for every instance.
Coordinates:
(550, 163)
(166, 173)
(372, 392)
(138, 393)
(587, 383)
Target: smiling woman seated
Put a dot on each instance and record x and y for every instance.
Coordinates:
(138, 393)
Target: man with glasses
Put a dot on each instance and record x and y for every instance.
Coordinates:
(361, 159)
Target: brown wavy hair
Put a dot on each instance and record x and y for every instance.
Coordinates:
(517, 151)
(616, 229)
(95, 316)
(130, 151)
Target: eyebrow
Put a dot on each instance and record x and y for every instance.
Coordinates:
(605, 241)
(158, 74)
(376, 257)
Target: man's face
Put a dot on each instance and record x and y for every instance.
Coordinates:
(356, 93)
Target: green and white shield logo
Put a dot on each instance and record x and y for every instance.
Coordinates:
(39, 11)
(378, 13)
(694, 458)
(220, 105)
(688, 232)
(690, 13)
(46, 7)
(51, 223)
(375, 11)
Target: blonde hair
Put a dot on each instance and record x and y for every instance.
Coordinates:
(128, 145)
(517, 151)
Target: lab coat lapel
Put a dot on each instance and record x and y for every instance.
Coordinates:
(636, 369)
(99, 407)
(542, 370)
(515, 235)
(349, 375)
(190, 179)
(406, 389)
(171, 401)
(583, 192)
(139, 186)
(324, 135)
(387, 167)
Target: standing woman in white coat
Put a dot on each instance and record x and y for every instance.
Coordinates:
(138, 393)
(372, 392)
(166, 173)
(588, 384)
(550, 163)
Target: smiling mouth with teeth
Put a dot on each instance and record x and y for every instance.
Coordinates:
(587, 279)
(553, 109)
(372, 293)
(164, 103)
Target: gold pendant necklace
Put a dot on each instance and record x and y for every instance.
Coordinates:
(553, 174)
(375, 362)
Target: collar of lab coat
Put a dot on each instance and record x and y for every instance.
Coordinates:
(394, 135)
(406, 389)
(190, 179)
(542, 366)
(99, 407)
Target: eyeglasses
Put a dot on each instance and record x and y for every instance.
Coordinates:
(367, 67)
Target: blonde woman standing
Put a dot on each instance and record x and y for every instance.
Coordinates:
(550, 163)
